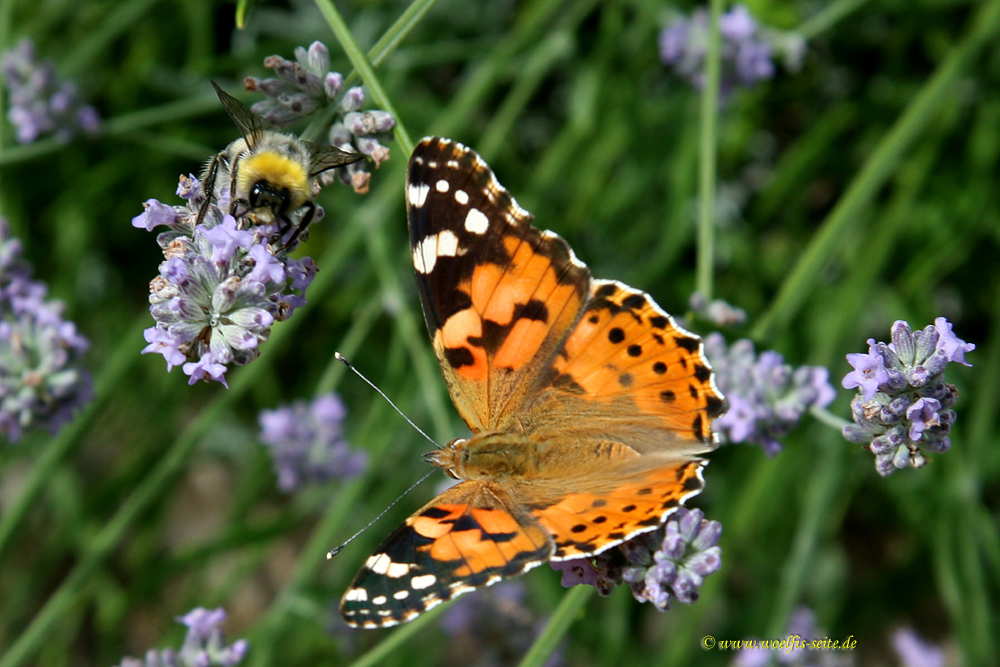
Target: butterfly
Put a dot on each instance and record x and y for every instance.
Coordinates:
(587, 403)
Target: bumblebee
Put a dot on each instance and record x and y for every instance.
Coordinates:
(269, 174)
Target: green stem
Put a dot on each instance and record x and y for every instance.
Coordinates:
(364, 68)
(821, 494)
(824, 19)
(846, 215)
(56, 451)
(564, 615)
(707, 154)
(116, 23)
(398, 638)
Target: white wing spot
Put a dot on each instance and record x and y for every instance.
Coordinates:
(453, 164)
(401, 595)
(462, 197)
(417, 194)
(476, 222)
(441, 186)
(426, 252)
(432, 164)
(356, 595)
(397, 570)
(378, 563)
(380, 599)
(423, 581)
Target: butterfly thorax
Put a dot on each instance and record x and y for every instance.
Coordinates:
(488, 456)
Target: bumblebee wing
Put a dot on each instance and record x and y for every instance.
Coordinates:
(328, 157)
(251, 125)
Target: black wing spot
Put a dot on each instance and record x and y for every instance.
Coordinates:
(635, 302)
(692, 483)
(634, 350)
(668, 396)
(698, 426)
(693, 392)
(594, 319)
(600, 502)
(435, 512)
(625, 380)
(617, 535)
(715, 406)
(600, 519)
(579, 528)
(604, 291)
(659, 321)
(702, 373)
(659, 368)
(659, 339)
(645, 492)
(671, 502)
(616, 335)
(534, 310)
(459, 356)
(628, 508)
(689, 344)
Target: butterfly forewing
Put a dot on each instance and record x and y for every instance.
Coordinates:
(498, 295)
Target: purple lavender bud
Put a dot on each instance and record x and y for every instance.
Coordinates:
(869, 372)
(333, 82)
(953, 346)
(903, 344)
(575, 572)
(922, 414)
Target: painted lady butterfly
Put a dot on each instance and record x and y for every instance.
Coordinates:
(587, 403)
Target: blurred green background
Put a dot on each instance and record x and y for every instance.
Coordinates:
(857, 191)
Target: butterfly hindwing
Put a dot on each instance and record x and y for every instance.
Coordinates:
(591, 515)
(498, 295)
(466, 538)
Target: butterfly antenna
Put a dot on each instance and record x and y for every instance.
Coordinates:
(381, 393)
(334, 552)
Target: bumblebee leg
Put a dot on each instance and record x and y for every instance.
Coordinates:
(301, 227)
(208, 187)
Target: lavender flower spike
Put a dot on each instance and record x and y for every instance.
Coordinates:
(204, 645)
(746, 49)
(904, 406)
(41, 104)
(766, 396)
(304, 86)
(307, 442)
(219, 288)
(42, 380)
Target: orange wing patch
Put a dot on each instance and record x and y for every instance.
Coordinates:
(624, 346)
(584, 524)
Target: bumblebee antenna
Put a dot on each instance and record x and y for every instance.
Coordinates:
(339, 357)
(333, 552)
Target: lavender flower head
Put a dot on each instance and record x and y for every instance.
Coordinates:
(746, 48)
(668, 563)
(204, 645)
(903, 406)
(766, 396)
(305, 86)
(220, 288)
(42, 380)
(40, 103)
(307, 442)
(493, 628)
